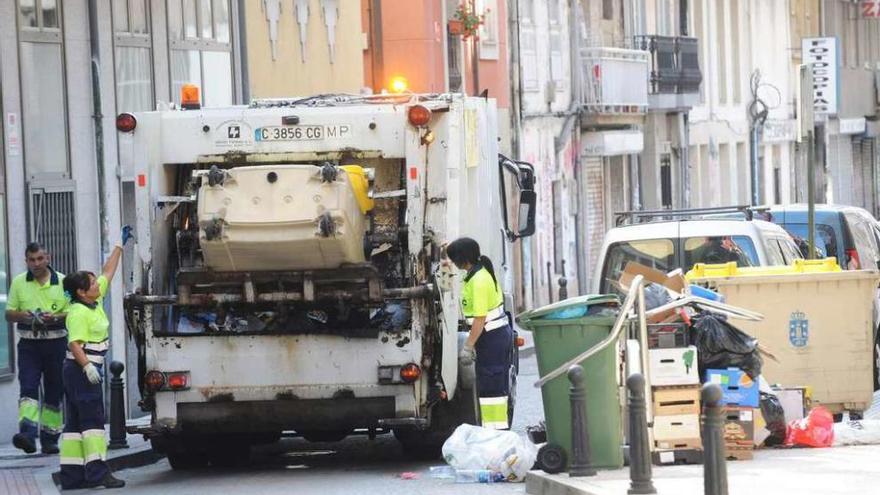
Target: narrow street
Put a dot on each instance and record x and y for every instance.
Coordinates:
(355, 465)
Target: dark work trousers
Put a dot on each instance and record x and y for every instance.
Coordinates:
(40, 362)
(493, 362)
(83, 444)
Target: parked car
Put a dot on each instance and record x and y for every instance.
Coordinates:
(669, 244)
(850, 234)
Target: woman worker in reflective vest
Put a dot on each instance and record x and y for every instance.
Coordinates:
(490, 339)
(83, 443)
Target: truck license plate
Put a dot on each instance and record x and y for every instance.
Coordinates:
(301, 132)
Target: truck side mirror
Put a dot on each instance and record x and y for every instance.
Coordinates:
(527, 202)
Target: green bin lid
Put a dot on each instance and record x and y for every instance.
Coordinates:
(588, 300)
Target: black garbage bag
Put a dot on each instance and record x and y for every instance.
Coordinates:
(774, 416)
(721, 345)
(655, 296)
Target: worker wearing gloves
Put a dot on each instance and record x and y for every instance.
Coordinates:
(37, 304)
(83, 443)
(490, 339)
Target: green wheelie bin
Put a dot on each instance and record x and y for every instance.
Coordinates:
(561, 332)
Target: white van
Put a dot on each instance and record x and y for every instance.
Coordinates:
(669, 244)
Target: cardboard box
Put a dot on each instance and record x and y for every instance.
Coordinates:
(669, 401)
(737, 387)
(739, 427)
(673, 366)
(676, 428)
(667, 335)
(794, 402)
(739, 453)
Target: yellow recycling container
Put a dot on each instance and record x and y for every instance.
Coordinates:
(820, 326)
(702, 270)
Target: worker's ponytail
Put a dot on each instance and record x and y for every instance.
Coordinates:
(466, 251)
(487, 264)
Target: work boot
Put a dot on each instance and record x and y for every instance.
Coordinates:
(23, 442)
(108, 481)
(49, 448)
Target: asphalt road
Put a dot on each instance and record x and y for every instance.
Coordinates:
(355, 465)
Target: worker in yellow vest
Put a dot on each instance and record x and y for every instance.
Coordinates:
(490, 339)
(37, 305)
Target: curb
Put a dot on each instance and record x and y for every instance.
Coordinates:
(541, 483)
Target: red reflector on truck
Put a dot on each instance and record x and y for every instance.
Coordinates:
(410, 373)
(142, 180)
(177, 381)
(413, 173)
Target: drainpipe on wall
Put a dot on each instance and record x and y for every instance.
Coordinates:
(98, 117)
(243, 56)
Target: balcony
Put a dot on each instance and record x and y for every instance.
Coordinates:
(615, 84)
(675, 75)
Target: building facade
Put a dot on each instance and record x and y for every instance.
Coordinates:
(62, 183)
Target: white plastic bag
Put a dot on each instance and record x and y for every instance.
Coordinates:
(863, 432)
(475, 447)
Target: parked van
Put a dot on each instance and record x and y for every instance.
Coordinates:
(669, 244)
(848, 233)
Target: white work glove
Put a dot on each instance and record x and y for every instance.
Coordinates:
(92, 373)
(467, 355)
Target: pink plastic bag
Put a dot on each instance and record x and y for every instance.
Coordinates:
(816, 430)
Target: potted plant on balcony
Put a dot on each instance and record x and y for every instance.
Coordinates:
(466, 22)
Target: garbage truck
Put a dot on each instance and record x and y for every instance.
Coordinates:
(288, 274)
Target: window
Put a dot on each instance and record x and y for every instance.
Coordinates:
(133, 61)
(719, 249)
(528, 46)
(774, 254)
(44, 105)
(608, 10)
(658, 254)
(489, 29)
(201, 50)
(826, 242)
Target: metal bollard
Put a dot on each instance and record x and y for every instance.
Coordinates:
(581, 456)
(118, 437)
(714, 462)
(563, 288)
(639, 450)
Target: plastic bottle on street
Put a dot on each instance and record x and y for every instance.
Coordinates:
(442, 472)
(477, 476)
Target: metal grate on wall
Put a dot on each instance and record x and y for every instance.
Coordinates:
(53, 224)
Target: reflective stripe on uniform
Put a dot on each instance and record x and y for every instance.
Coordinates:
(493, 411)
(495, 318)
(94, 445)
(91, 357)
(51, 419)
(41, 335)
(102, 346)
(28, 409)
(72, 449)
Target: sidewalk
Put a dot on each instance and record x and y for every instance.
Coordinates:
(31, 474)
(832, 471)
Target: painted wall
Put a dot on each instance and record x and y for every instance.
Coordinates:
(288, 73)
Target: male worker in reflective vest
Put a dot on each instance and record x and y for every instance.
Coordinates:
(37, 304)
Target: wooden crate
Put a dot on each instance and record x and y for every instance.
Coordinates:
(679, 443)
(739, 453)
(685, 456)
(672, 400)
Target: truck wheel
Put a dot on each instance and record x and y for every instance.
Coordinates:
(511, 397)
(445, 418)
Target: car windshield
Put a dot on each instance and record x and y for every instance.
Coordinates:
(826, 243)
(719, 249)
(658, 254)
